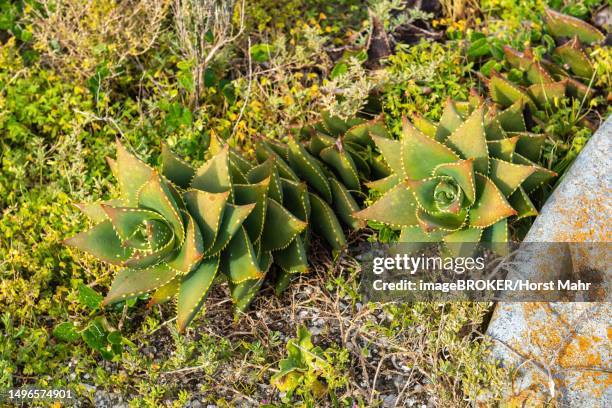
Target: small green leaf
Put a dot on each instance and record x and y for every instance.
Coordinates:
(66, 332)
(261, 52)
(89, 297)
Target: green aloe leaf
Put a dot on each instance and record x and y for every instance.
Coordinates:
(254, 194)
(415, 234)
(509, 176)
(318, 142)
(334, 125)
(193, 290)
(264, 151)
(165, 292)
(397, 208)
(496, 233)
(345, 205)
(207, 210)
(214, 175)
(505, 93)
(293, 258)
(134, 282)
(131, 173)
(156, 195)
(192, 250)
(129, 222)
(307, 168)
(241, 259)
(530, 145)
(578, 90)
(427, 127)
(511, 119)
(562, 25)
(546, 94)
(244, 292)
(415, 147)
(463, 242)
(450, 120)
(233, 218)
(383, 185)
(361, 134)
(441, 221)
(490, 206)
(264, 171)
(463, 174)
(102, 242)
(391, 151)
(280, 227)
(538, 178)
(95, 212)
(343, 164)
(469, 141)
(325, 223)
(175, 169)
(502, 149)
(296, 199)
(522, 204)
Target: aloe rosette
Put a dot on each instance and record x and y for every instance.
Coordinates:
(567, 71)
(459, 180)
(178, 230)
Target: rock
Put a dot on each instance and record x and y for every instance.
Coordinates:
(389, 401)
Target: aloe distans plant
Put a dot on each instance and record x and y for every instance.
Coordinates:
(569, 71)
(174, 230)
(462, 179)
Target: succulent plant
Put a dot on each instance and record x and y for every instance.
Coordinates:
(175, 230)
(459, 180)
(568, 71)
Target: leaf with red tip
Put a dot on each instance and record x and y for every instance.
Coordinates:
(397, 208)
(572, 55)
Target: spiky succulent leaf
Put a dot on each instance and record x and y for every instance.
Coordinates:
(562, 25)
